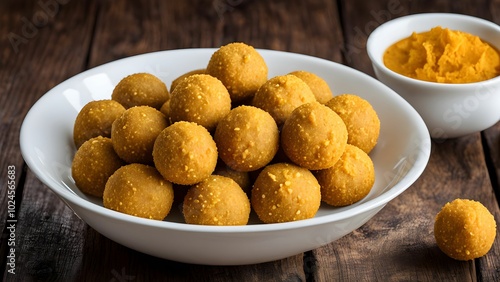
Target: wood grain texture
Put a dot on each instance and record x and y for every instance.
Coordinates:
(396, 245)
(359, 19)
(382, 246)
(49, 239)
(457, 169)
(125, 28)
(55, 46)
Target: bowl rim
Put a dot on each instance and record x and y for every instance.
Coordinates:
(71, 198)
(423, 83)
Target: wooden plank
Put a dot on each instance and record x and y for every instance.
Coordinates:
(491, 141)
(42, 52)
(395, 245)
(359, 19)
(49, 237)
(296, 26)
(486, 266)
(105, 260)
(305, 27)
(11, 60)
(195, 24)
(398, 243)
(492, 134)
(491, 138)
(125, 28)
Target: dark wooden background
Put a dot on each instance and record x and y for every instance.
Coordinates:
(45, 42)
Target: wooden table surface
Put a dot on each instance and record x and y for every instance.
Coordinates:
(45, 42)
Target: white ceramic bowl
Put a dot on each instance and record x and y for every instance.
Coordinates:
(46, 143)
(449, 110)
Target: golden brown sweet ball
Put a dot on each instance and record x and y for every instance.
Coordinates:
(95, 119)
(94, 162)
(464, 229)
(217, 200)
(180, 78)
(240, 177)
(349, 180)
(139, 190)
(134, 133)
(247, 138)
(318, 85)
(200, 98)
(280, 95)
(360, 118)
(240, 68)
(185, 153)
(314, 136)
(285, 192)
(141, 89)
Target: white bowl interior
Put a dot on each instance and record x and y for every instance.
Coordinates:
(46, 144)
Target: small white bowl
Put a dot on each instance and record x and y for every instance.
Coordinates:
(47, 146)
(449, 110)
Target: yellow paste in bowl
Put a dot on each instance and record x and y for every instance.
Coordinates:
(445, 56)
